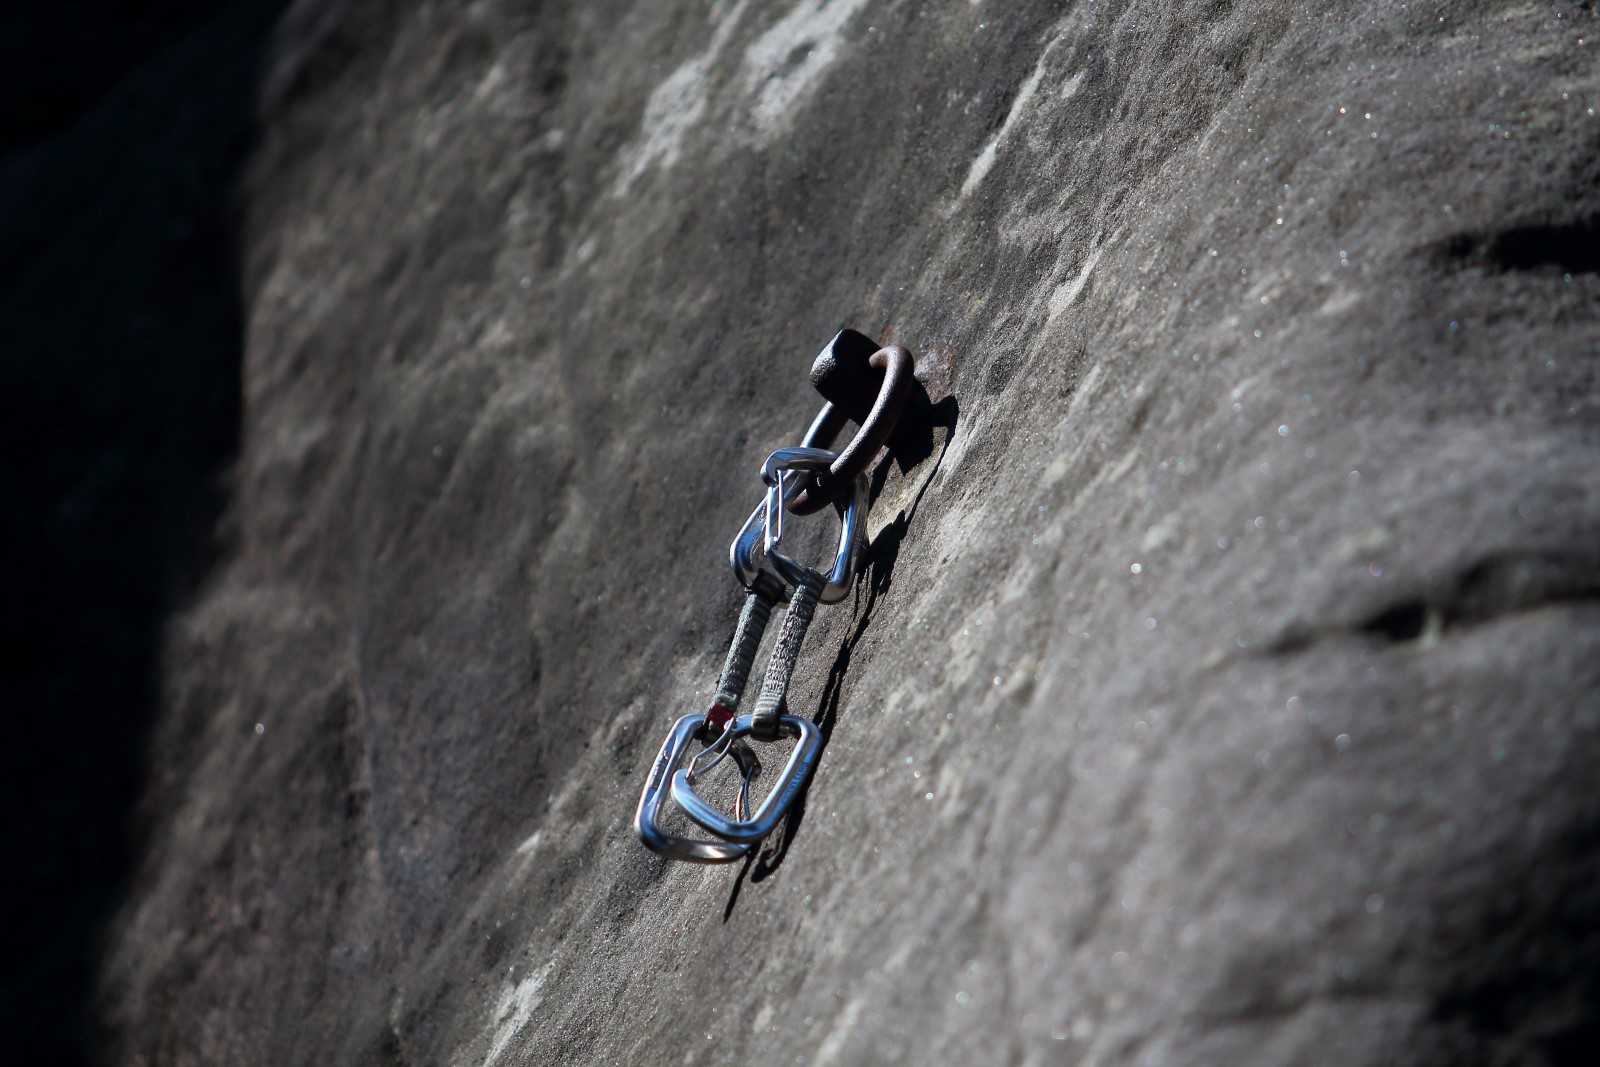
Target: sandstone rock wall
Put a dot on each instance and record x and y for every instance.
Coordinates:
(1219, 689)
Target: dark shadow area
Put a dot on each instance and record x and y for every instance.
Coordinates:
(738, 884)
(126, 125)
(1573, 248)
(1511, 1004)
(1403, 622)
(915, 436)
(1565, 248)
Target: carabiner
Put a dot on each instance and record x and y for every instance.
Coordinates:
(852, 515)
(741, 553)
(773, 472)
(746, 832)
(655, 839)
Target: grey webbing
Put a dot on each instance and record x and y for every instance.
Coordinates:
(764, 592)
(780, 668)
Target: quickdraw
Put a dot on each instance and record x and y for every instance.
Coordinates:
(861, 382)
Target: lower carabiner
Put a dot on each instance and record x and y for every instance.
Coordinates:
(742, 831)
(655, 839)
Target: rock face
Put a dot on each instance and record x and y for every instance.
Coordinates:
(1220, 688)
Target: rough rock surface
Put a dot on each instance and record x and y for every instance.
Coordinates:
(1221, 688)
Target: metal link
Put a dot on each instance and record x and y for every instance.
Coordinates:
(898, 369)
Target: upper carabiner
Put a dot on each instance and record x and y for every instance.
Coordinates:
(852, 522)
(741, 554)
(774, 474)
(758, 527)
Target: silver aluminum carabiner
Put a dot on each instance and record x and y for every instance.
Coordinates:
(746, 832)
(683, 732)
(853, 515)
(759, 526)
(741, 553)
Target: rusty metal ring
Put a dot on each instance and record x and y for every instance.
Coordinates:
(833, 485)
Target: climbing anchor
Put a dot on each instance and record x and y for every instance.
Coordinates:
(863, 383)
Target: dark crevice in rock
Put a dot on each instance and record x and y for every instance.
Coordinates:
(1568, 248)
(1491, 588)
(1574, 248)
(1513, 582)
(1403, 622)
